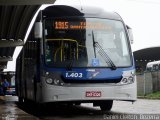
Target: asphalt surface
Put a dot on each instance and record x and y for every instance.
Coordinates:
(11, 110)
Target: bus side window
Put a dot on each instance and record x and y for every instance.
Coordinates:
(159, 67)
(149, 69)
(155, 67)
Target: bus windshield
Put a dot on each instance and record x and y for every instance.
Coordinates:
(71, 42)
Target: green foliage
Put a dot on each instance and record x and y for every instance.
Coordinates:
(155, 94)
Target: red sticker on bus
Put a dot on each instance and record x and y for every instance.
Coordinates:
(93, 93)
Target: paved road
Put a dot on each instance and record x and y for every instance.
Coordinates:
(141, 106)
(84, 112)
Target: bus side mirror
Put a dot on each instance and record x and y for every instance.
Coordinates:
(38, 30)
(130, 34)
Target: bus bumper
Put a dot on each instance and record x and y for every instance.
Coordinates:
(90, 92)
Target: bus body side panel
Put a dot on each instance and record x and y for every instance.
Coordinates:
(28, 84)
(26, 71)
(31, 69)
(19, 76)
(20, 82)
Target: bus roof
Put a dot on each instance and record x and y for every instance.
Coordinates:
(85, 11)
(150, 64)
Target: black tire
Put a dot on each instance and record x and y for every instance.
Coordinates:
(106, 105)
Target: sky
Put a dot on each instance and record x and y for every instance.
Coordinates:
(141, 15)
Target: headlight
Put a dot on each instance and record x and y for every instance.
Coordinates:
(128, 80)
(124, 80)
(131, 79)
(49, 80)
(56, 81)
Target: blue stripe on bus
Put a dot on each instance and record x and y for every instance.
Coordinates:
(90, 73)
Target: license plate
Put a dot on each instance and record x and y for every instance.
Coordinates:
(93, 93)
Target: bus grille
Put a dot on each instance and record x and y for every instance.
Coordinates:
(91, 81)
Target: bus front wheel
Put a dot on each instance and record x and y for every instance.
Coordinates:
(106, 105)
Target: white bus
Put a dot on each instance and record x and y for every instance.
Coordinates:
(77, 56)
(153, 66)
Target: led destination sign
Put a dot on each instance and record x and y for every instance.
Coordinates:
(80, 25)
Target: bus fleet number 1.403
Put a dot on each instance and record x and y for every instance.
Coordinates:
(74, 75)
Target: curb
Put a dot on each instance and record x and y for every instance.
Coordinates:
(151, 98)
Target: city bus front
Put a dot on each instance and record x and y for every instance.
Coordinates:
(87, 60)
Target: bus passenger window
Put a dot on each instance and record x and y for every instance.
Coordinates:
(159, 67)
(155, 67)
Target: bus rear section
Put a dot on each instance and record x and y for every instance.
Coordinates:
(84, 56)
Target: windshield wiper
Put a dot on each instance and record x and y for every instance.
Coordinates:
(103, 54)
(94, 45)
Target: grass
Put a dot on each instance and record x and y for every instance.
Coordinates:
(155, 95)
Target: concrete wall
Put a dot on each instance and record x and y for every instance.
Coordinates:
(156, 81)
(140, 85)
(148, 82)
(144, 84)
